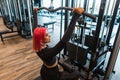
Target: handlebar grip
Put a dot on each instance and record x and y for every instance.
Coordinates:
(89, 15)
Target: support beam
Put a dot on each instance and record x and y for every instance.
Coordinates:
(113, 56)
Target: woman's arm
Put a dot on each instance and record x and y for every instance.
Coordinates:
(61, 44)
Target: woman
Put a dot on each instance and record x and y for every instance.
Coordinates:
(49, 70)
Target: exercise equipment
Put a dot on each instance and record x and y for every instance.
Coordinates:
(99, 46)
(6, 12)
(8, 16)
(10, 26)
(60, 8)
(49, 23)
(65, 64)
(96, 48)
(19, 12)
(79, 51)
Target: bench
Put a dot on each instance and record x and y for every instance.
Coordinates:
(50, 23)
(3, 32)
(10, 27)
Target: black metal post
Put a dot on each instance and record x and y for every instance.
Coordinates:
(39, 3)
(61, 21)
(96, 39)
(72, 3)
(113, 56)
(112, 21)
(99, 23)
(66, 20)
(66, 15)
(85, 6)
(35, 18)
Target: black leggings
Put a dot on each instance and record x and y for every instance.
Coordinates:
(54, 74)
(50, 73)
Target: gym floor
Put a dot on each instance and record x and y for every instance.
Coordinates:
(17, 59)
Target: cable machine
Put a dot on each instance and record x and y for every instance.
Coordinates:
(96, 43)
(17, 13)
(25, 21)
(8, 18)
(54, 10)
